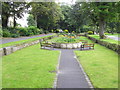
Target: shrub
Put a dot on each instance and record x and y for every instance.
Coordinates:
(15, 35)
(41, 31)
(33, 30)
(22, 31)
(46, 32)
(6, 33)
(66, 31)
(1, 33)
(106, 33)
(90, 32)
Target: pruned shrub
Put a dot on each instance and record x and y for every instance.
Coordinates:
(66, 31)
(90, 32)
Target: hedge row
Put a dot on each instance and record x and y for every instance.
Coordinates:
(115, 47)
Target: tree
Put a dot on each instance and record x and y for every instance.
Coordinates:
(46, 14)
(12, 9)
(31, 21)
(104, 11)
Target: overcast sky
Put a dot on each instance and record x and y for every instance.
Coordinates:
(23, 21)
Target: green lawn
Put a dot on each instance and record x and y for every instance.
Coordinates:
(29, 68)
(101, 65)
(23, 41)
(107, 39)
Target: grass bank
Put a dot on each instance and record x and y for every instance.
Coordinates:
(23, 41)
(101, 65)
(29, 68)
(106, 39)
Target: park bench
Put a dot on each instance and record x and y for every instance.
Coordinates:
(87, 46)
(46, 44)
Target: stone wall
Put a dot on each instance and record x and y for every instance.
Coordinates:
(115, 47)
(11, 49)
(67, 45)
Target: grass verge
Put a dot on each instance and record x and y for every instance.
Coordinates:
(29, 68)
(101, 65)
(23, 41)
(106, 39)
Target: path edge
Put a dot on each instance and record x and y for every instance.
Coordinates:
(86, 76)
(57, 68)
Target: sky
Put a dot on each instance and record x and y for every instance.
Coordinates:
(23, 21)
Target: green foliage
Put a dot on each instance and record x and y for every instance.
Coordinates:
(32, 30)
(6, 33)
(66, 31)
(22, 31)
(15, 35)
(31, 21)
(14, 9)
(1, 33)
(46, 14)
(90, 32)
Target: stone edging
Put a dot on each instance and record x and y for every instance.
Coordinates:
(114, 47)
(11, 49)
(67, 45)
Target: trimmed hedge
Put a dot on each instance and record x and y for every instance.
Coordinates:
(112, 46)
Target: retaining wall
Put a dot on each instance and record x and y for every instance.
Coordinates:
(115, 47)
(11, 49)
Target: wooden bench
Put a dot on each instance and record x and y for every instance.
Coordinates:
(88, 46)
(46, 44)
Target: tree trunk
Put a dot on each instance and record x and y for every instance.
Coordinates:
(14, 22)
(5, 22)
(101, 29)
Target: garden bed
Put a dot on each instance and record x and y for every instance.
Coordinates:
(67, 43)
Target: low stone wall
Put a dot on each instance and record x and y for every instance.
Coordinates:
(11, 49)
(115, 47)
(67, 45)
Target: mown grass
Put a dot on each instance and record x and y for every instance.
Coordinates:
(23, 41)
(29, 68)
(101, 65)
(106, 39)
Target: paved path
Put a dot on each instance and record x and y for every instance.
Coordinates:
(70, 74)
(114, 37)
(21, 38)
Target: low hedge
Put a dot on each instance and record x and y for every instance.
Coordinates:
(112, 46)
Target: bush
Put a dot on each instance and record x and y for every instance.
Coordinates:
(66, 31)
(1, 33)
(15, 35)
(46, 32)
(90, 32)
(41, 31)
(6, 33)
(22, 31)
(33, 30)
(106, 33)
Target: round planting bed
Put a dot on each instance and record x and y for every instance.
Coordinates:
(67, 45)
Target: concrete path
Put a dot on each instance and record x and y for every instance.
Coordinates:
(70, 74)
(7, 40)
(114, 37)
